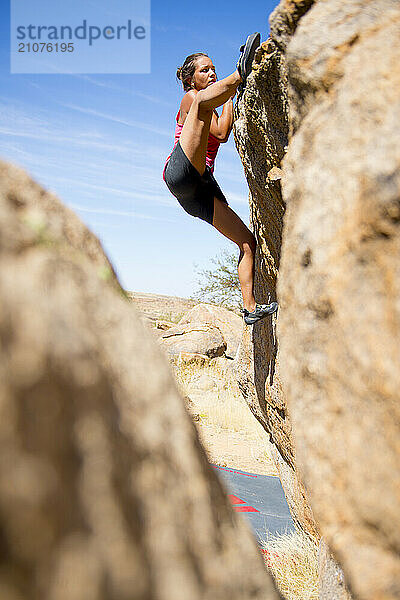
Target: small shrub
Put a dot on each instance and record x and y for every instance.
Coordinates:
(220, 284)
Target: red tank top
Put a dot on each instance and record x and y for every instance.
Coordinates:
(212, 146)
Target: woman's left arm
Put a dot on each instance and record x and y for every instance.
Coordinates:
(221, 125)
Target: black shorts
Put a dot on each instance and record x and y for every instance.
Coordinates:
(194, 192)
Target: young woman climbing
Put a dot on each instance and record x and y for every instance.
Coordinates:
(188, 171)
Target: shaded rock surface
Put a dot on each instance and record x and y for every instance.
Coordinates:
(191, 358)
(229, 323)
(198, 338)
(105, 491)
(164, 325)
(262, 117)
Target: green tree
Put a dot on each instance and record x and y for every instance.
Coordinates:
(220, 283)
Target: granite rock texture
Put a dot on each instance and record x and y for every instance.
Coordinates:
(105, 490)
(262, 117)
(317, 129)
(229, 323)
(340, 271)
(194, 338)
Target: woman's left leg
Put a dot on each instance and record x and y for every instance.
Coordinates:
(231, 226)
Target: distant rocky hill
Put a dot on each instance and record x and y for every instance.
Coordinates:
(159, 307)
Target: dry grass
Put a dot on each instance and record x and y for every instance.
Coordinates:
(229, 432)
(292, 559)
(187, 372)
(224, 405)
(171, 316)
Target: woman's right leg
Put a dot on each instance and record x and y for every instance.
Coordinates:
(194, 135)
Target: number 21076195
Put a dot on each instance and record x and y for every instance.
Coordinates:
(45, 47)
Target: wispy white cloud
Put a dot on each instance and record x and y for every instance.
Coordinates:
(119, 213)
(128, 166)
(125, 90)
(20, 120)
(18, 113)
(119, 192)
(234, 197)
(116, 119)
(49, 137)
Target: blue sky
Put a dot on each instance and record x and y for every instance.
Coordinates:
(100, 142)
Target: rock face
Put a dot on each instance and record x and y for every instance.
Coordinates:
(105, 491)
(200, 338)
(337, 370)
(263, 118)
(229, 323)
(340, 270)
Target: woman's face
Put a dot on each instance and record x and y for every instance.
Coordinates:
(204, 74)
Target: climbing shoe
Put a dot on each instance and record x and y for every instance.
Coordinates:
(245, 61)
(260, 311)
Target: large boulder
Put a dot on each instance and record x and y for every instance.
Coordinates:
(228, 322)
(194, 338)
(105, 491)
(326, 85)
(339, 281)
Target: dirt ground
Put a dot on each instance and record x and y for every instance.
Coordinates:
(230, 434)
(235, 449)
